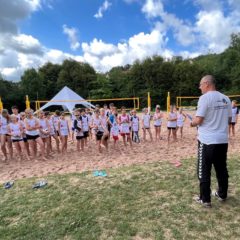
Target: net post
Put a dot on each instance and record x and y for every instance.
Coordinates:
(168, 102)
(27, 102)
(1, 104)
(149, 102)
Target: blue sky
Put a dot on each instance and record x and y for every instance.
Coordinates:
(108, 33)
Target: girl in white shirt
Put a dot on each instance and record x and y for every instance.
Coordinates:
(157, 117)
(98, 128)
(172, 124)
(113, 121)
(32, 134)
(104, 121)
(135, 126)
(79, 130)
(53, 131)
(22, 117)
(15, 130)
(64, 132)
(44, 131)
(146, 126)
(180, 121)
(124, 123)
(5, 138)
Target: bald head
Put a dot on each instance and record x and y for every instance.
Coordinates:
(207, 83)
(209, 79)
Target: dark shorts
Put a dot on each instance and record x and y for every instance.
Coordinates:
(232, 123)
(17, 140)
(173, 128)
(109, 127)
(99, 135)
(86, 134)
(30, 137)
(24, 139)
(157, 126)
(145, 128)
(79, 137)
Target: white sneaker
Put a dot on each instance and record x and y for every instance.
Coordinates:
(215, 194)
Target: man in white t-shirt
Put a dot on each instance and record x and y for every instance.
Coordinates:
(212, 118)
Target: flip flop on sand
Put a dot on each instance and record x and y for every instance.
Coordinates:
(40, 184)
(96, 173)
(100, 173)
(103, 173)
(8, 185)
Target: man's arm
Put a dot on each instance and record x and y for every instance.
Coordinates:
(197, 121)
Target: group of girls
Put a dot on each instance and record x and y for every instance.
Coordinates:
(27, 132)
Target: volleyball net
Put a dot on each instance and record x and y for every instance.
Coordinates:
(129, 103)
(190, 102)
(187, 102)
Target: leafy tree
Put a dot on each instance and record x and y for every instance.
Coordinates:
(31, 84)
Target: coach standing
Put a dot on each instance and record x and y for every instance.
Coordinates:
(212, 118)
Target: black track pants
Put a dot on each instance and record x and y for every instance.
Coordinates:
(215, 154)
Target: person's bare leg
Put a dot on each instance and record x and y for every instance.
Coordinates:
(130, 140)
(150, 134)
(124, 140)
(33, 148)
(169, 134)
(57, 142)
(18, 150)
(10, 147)
(144, 134)
(181, 130)
(24, 149)
(47, 146)
(42, 150)
(26, 144)
(156, 133)
(66, 138)
(174, 135)
(82, 144)
(3, 147)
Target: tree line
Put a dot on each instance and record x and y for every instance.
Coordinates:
(154, 74)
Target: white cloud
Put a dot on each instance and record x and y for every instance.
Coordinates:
(105, 6)
(98, 47)
(138, 46)
(72, 36)
(183, 32)
(209, 5)
(153, 8)
(215, 29)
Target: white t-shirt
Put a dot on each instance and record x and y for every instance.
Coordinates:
(146, 120)
(234, 114)
(216, 110)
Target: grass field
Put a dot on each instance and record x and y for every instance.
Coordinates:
(151, 201)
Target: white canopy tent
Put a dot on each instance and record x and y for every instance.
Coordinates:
(68, 99)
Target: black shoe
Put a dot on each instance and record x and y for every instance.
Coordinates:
(204, 204)
(215, 194)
